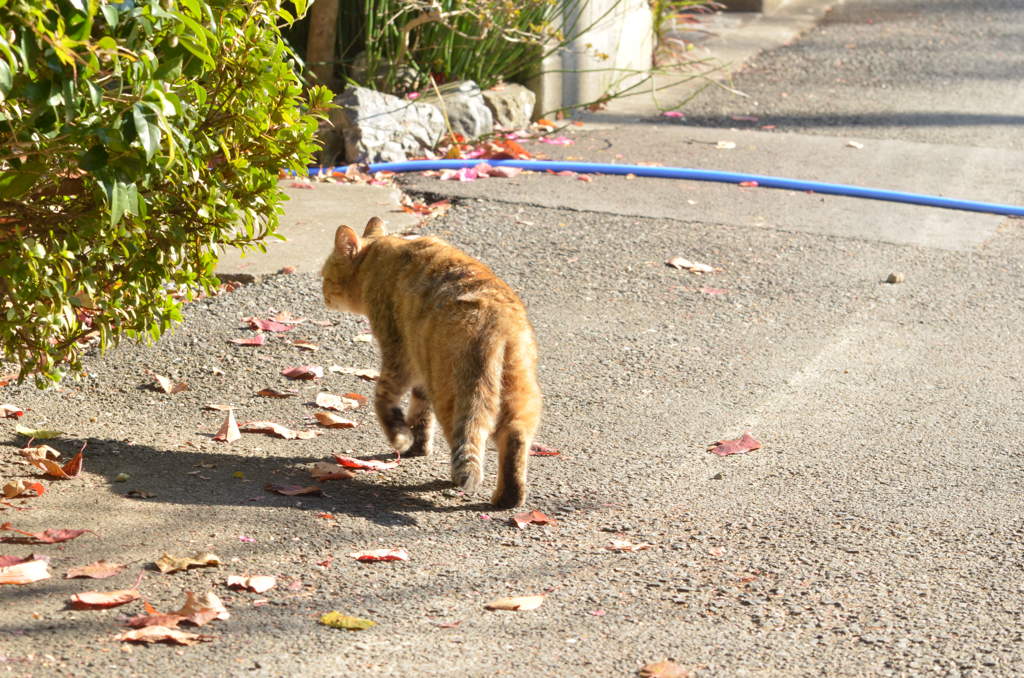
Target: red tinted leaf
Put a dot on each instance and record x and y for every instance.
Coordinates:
(228, 432)
(276, 393)
(14, 570)
(95, 600)
(536, 517)
(365, 464)
(49, 536)
(748, 184)
(325, 470)
(292, 490)
(11, 411)
(268, 325)
(537, 450)
(101, 569)
(303, 372)
(255, 340)
(153, 619)
(331, 420)
(23, 488)
(372, 555)
(723, 448)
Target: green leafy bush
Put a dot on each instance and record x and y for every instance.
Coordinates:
(136, 139)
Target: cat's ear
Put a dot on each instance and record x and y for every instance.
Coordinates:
(374, 227)
(346, 241)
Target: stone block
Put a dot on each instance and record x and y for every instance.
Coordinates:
(465, 107)
(378, 127)
(511, 105)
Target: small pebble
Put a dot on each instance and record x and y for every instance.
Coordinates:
(895, 277)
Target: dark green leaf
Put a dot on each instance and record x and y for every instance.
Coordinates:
(93, 159)
(146, 129)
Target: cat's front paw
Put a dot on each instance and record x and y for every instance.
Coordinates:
(419, 448)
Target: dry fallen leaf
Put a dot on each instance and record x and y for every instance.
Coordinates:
(373, 555)
(276, 393)
(338, 620)
(101, 569)
(40, 452)
(69, 470)
(228, 432)
(98, 600)
(48, 536)
(515, 603)
(303, 372)
(211, 407)
(14, 570)
(325, 470)
(305, 345)
(331, 420)
(169, 563)
(275, 429)
(11, 411)
(538, 450)
(366, 373)
(23, 488)
(691, 266)
(741, 445)
(255, 340)
(626, 546)
(157, 634)
(37, 433)
(292, 490)
(365, 464)
(201, 606)
(335, 402)
(256, 584)
(664, 669)
(267, 325)
(521, 520)
(166, 385)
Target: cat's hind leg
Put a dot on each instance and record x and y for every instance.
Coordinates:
(420, 420)
(391, 386)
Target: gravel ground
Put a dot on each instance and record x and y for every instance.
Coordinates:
(877, 532)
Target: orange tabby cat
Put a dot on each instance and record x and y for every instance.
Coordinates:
(457, 336)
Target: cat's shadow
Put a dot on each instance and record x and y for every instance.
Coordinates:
(202, 478)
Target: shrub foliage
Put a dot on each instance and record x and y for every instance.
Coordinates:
(136, 140)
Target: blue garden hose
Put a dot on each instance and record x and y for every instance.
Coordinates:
(706, 175)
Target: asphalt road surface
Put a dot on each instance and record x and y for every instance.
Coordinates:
(878, 530)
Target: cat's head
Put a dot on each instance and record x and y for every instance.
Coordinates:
(339, 272)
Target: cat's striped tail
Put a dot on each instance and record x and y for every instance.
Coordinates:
(476, 410)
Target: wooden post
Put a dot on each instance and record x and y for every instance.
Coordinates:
(321, 45)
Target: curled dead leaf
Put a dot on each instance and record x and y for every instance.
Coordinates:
(626, 546)
(536, 517)
(338, 620)
(373, 555)
(331, 420)
(303, 372)
(23, 488)
(255, 340)
(515, 603)
(365, 464)
(325, 470)
(256, 584)
(228, 432)
(101, 569)
(40, 452)
(14, 570)
(366, 373)
(335, 402)
(11, 411)
(48, 536)
(165, 384)
(198, 607)
(168, 563)
(98, 600)
(664, 669)
(275, 429)
(276, 393)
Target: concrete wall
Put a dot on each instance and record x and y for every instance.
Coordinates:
(576, 74)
